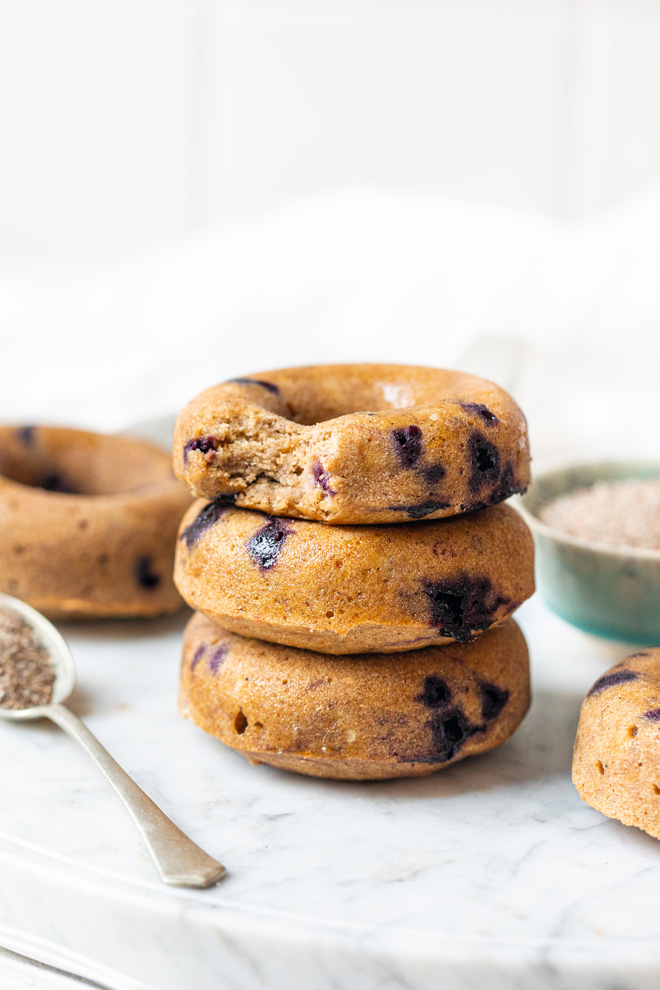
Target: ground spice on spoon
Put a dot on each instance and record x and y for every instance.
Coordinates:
(27, 673)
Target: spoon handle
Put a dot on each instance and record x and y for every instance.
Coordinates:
(179, 860)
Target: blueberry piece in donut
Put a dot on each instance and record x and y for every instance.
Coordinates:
(267, 543)
(489, 418)
(421, 510)
(197, 656)
(436, 692)
(56, 483)
(613, 680)
(408, 445)
(464, 605)
(484, 460)
(26, 435)
(145, 574)
(218, 657)
(652, 715)
(206, 518)
(204, 445)
(506, 485)
(450, 731)
(269, 386)
(433, 473)
(322, 478)
(493, 699)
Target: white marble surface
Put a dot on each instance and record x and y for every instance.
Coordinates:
(491, 873)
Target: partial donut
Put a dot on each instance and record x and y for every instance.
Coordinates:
(616, 761)
(354, 443)
(354, 717)
(88, 522)
(354, 589)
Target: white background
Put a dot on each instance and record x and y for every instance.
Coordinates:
(191, 189)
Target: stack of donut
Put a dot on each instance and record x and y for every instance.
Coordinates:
(352, 569)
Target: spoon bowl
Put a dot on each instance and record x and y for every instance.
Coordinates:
(60, 655)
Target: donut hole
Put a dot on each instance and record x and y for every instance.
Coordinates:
(656, 789)
(240, 722)
(599, 767)
(632, 731)
(308, 399)
(75, 462)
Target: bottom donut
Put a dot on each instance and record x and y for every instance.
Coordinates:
(356, 717)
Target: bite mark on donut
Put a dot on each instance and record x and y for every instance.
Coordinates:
(436, 692)
(612, 680)
(267, 543)
(653, 715)
(479, 409)
(408, 445)
(463, 605)
(26, 435)
(218, 657)
(56, 483)
(484, 461)
(322, 478)
(199, 653)
(145, 574)
(206, 518)
(204, 445)
(420, 510)
(256, 381)
(493, 699)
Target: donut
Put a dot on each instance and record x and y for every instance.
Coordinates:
(616, 760)
(354, 717)
(354, 443)
(354, 589)
(88, 523)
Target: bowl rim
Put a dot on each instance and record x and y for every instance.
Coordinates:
(612, 549)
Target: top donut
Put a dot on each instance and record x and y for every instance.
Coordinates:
(354, 443)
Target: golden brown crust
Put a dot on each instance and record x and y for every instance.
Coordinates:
(98, 540)
(366, 443)
(616, 760)
(355, 717)
(354, 589)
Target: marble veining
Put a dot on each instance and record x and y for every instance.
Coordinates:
(492, 873)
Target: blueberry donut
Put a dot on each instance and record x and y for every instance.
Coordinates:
(88, 523)
(616, 761)
(354, 443)
(355, 717)
(354, 589)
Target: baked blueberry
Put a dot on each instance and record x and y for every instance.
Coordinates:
(267, 543)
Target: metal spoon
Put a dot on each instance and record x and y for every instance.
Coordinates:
(179, 860)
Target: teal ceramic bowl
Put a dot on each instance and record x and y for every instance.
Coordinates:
(607, 590)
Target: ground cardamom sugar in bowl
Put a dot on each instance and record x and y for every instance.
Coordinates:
(27, 673)
(617, 513)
